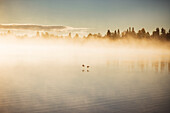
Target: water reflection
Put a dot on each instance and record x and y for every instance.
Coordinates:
(141, 65)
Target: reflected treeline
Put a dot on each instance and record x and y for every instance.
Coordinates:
(159, 34)
(157, 66)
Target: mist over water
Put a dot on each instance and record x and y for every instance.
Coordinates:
(84, 56)
(125, 76)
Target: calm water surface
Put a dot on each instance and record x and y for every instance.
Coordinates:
(50, 82)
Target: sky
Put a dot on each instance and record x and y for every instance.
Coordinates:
(95, 15)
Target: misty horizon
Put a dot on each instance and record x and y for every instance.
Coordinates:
(84, 56)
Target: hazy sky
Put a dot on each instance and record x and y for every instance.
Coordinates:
(99, 15)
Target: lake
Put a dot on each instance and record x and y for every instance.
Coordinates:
(49, 79)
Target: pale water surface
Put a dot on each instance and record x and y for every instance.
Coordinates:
(50, 80)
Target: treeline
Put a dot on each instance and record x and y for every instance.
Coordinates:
(158, 34)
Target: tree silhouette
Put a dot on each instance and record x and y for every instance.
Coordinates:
(38, 34)
(163, 33)
(69, 35)
(76, 36)
(108, 33)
